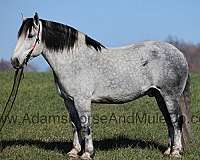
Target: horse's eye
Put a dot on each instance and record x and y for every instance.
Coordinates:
(30, 36)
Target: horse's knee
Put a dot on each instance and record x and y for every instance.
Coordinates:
(85, 130)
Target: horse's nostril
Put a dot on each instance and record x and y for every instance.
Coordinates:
(15, 62)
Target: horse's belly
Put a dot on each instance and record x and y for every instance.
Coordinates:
(121, 89)
(114, 100)
(117, 97)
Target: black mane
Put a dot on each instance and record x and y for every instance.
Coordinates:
(57, 36)
(26, 25)
(91, 42)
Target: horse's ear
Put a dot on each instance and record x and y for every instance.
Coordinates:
(36, 19)
(22, 17)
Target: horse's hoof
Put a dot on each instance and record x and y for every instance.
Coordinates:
(167, 152)
(86, 156)
(73, 154)
(72, 158)
(175, 154)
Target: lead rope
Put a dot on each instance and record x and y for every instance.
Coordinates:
(12, 97)
(15, 87)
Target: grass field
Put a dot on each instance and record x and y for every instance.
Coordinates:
(38, 127)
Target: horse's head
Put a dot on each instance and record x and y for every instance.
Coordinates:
(28, 43)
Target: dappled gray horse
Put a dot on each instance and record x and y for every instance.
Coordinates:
(86, 72)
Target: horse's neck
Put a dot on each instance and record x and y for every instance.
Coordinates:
(57, 60)
(63, 61)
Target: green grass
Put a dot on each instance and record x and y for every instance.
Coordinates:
(29, 139)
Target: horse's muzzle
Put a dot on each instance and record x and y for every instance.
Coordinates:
(15, 63)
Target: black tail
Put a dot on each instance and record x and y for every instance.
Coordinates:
(185, 112)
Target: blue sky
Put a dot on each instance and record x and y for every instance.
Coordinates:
(112, 22)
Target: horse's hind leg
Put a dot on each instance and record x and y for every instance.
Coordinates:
(162, 105)
(172, 104)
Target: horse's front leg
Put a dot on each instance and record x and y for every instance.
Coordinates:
(83, 107)
(76, 129)
(80, 114)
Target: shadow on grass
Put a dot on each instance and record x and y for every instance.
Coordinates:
(105, 144)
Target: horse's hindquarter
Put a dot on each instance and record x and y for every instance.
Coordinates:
(124, 74)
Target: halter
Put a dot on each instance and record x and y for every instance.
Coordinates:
(37, 40)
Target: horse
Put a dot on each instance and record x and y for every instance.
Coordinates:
(86, 72)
